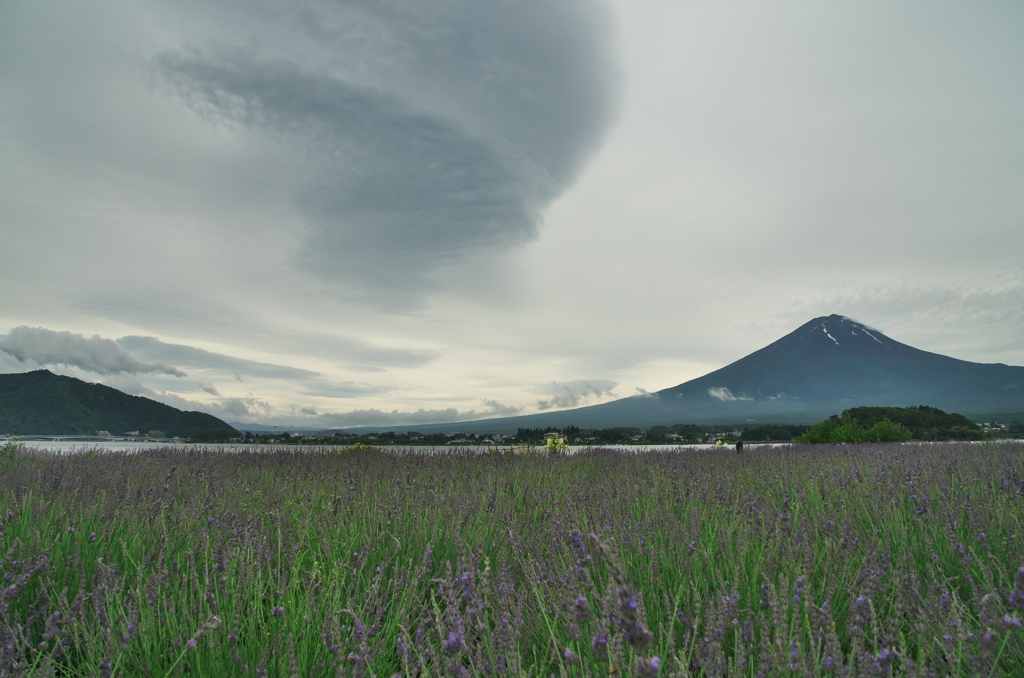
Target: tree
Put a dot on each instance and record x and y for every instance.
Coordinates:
(847, 430)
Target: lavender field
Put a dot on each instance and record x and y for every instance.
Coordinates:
(902, 560)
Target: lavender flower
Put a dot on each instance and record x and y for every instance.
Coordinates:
(799, 590)
(130, 633)
(1016, 597)
(453, 644)
(648, 668)
(582, 611)
(883, 661)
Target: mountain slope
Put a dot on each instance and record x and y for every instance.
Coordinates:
(833, 362)
(41, 402)
(825, 366)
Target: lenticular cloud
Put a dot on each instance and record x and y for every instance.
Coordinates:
(420, 133)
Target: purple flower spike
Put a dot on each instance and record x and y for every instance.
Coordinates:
(276, 611)
(583, 613)
(639, 637)
(1017, 594)
(453, 644)
(648, 668)
(884, 659)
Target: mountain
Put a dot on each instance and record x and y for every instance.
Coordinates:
(833, 363)
(44, 403)
(825, 366)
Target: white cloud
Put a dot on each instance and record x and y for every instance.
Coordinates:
(722, 393)
(10, 365)
(496, 409)
(573, 393)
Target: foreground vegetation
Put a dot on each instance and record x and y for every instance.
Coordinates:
(900, 560)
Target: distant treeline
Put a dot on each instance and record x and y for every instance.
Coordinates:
(923, 423)
(572, 435)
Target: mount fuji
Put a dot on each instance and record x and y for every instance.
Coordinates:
(833, 363)
(825, 366)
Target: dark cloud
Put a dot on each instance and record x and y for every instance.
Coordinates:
(309, 382)
(209, 388)
(151, 348)
(391, 181)
(457, 124)
(535, 73)
(41, 347)
(370, 357)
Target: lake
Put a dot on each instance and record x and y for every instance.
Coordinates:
(76, 447)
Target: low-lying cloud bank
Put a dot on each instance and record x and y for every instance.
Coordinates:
(376, 417)
(35, 347)
(722, 393)
(120, 363)
(124, 363)
(569, 394)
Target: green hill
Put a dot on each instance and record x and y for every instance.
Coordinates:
(44, 403)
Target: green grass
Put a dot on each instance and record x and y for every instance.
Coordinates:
(318, 563)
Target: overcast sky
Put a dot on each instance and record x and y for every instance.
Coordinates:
(335, 213)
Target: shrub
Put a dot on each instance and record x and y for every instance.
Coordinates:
(9, 453)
